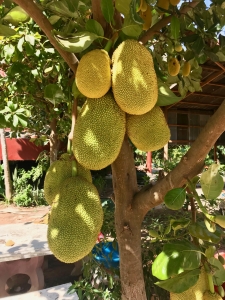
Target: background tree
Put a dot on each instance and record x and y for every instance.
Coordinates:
(78, 27)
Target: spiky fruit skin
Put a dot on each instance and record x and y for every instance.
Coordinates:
(134, 81)
(195, 292)
(57, 173)
(147, 17)
(186, 69)
(174, 2)
(173, 67)
(99, 132)
(148, 132)
(163, 4)
(75, 221)
(209, 296)
(93, 76)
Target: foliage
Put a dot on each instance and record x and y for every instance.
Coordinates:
(2, 185)
(26, 187)
(177, 266)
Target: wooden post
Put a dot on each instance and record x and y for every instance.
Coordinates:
(149, 162)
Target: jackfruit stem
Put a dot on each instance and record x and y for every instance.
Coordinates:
(69, 146)
(111, 42)
(74, 168)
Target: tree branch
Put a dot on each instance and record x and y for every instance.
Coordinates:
(190, 165)
(36, 14)
(164, 21)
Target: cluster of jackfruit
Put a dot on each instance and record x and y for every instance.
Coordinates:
(76, 212)
(122, 103)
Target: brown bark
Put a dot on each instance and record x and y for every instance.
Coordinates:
(128, 225)
(53, 141)
(7, 179)
(36, 14)
(190, 165)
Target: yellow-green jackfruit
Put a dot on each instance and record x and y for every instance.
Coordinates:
(148, 132)
(186, 68)
(147, 17)
(174, 2)
(134, 81)
(195, 292)
(58, 172)
(173, 66)
(99, 132)
(75, 220)
(209, 296)
(93, 76)
(163, 4)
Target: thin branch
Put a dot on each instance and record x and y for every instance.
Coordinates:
(36, 14)
(164, 21)
(190, 165)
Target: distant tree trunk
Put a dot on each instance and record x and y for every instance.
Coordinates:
(53, 141)
(7, 179)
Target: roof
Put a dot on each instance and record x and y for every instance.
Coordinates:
(213, 90)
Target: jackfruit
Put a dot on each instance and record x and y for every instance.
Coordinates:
(134, 81)
(195, 292)
(173, 66)
(174, 2)
(99, 132)
(148, 132)
(186, 68)
(143, 6)
(164, 4)
(209, 296)
(93, 76)
(58, 172)
(147, 17)
(75, 221)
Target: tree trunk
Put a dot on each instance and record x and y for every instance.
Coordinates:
(53, 141)
(7, 179)
(128, 225)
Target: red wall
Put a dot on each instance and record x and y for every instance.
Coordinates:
(22, 149)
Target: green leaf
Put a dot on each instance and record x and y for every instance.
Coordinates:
(133, 12)
(30, 39)
(166, 96)
(76, 92)
(175, 259)
(95, 27)
(131, 28)
(62, 8)
(189, 38)
(6, 31)
(123, 6)
(199, 22)
(200, 231)
(16, 15)
(210, 251)
(53, 19)
(177, 224)
(20, 44)
(22, 120)
(212, 56)
(175, 27)
(8, 51)
(219, 275)
(53, 93)
(78, 42)
(107, 10)
(15, 120)
(175, 198)
(198, 45)
(181, 282)
(211, 182)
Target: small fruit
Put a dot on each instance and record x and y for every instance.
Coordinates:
(174, 2)
(173, 66)
(147, 17)
(164, 4)
(186, 69)
(178, 47)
